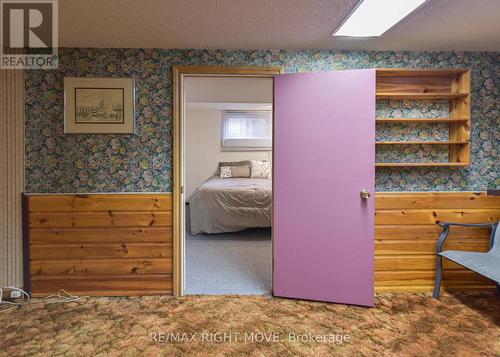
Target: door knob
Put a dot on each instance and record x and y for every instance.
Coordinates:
(364, 194)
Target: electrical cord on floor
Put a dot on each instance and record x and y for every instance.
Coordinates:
(13, 304)
(61, 296)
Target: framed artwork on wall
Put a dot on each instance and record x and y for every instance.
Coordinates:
(99, 105)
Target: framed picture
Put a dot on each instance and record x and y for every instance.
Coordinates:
(99, 105)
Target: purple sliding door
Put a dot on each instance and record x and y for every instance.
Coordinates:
(324, 157)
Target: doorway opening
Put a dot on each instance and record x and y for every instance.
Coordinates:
(224, 165)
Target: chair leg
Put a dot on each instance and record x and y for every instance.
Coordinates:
(439, 276)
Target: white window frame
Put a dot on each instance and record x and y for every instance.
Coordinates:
(242, 144)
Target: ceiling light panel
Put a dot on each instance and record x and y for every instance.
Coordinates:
(374, 17)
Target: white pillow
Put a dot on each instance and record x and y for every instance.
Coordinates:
(225, 172)
(260, 169)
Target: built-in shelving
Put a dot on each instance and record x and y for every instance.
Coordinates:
(420, 96)
(417, 72)
(433, 84)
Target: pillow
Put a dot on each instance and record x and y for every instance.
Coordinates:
(240, 171)
(225, 172)
(260, 169)
(235, 163)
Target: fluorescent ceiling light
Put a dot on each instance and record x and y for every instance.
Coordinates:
(374, 17)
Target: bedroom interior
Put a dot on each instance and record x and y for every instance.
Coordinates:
(228, 188)
(226, 177)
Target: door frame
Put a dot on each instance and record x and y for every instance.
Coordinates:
(180, 72)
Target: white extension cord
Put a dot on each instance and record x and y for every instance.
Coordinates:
(61, 296)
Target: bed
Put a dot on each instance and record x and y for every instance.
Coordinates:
(231, 204)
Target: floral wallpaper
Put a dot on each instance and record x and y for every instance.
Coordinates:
(143, 162)
(416, 132)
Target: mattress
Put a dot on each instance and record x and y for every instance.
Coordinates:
(229, 205)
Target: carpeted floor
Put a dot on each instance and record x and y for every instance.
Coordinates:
(401, 324)
(229, 263)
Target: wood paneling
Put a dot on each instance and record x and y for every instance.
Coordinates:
(107, 202)
(100, 219)
(423, 280)
(118, 244)
(100, 244)
(11, 175)
(108, 266)
(428, 246)
(102, 250)
(104, 285)
(428, 216)
(99, 235)
(406, 233)
(409, 262)
(434, 200)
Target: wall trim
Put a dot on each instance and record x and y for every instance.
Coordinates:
(12, 171)
(26, 244)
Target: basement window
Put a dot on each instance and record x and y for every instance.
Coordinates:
(247, 129)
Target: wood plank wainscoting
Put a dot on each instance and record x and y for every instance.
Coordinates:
(406, 235)
(121, 244)
(100, 244)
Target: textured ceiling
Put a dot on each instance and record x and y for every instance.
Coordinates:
(257, 24)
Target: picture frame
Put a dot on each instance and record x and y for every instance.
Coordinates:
(99, 105)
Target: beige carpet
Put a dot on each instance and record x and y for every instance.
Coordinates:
(401, 324)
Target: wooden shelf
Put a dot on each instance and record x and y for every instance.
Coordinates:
(421, 142)
(420, 96)
(413, 164)
(403, 72)
(420, 120)
(452, 85)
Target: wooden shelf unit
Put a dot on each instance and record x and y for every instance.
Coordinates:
(420, 96)
(430, 84)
